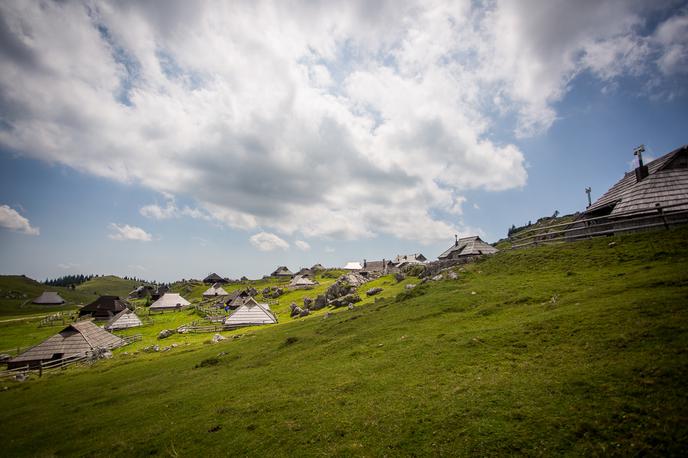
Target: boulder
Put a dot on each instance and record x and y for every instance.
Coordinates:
(373, 291)
(452, 275)
(307, 302)
(21, 377)
(217, 338)
(437, 277)
(304, 312)
(410, 286)
(165, 333)
(296, 311)
(346, 300)
(106, 355)
(399, 277)
(319, 303)
(266, 291)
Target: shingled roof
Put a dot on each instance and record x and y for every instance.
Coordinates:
(49, 298)
(215, 290)
(282, 271)
(468, 246)
(124, 320)
(105, 307)
(214, 278)
(666, 184)
(75, 340)
(250, 314)
(169, 301)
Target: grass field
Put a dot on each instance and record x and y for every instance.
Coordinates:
(575, 349)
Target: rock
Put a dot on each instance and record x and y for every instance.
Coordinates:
(410, 286)
(252, 292)
(437, 277)
(351, 306)
(175, 345)
(106, 355)
(21, 377)
(156, 348)
(326, 316)
(296, 311)
(611, 244)
(217, 338)
(307, 302)
(266, 291)
(237, 336)
(165, 333)
(346, 300)
(373, 291)
(304, 312)
(453, 275)
(222, 353)
(165, 349)
(399, 277)
(473, 292)
(319, 303)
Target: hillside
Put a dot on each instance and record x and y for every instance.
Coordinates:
(17, 292)
(108, 285)
(574, 349)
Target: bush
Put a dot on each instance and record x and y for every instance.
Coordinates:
(411, 293)
(208, 362)
(414, 270)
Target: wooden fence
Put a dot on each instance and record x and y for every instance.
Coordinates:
(666, 217)
(62, 363)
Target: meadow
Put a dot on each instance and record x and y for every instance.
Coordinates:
(573, 349)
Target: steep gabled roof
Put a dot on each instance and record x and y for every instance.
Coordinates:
(666, 184)
(104, 305)
(469, 246)
(410, 258)
(49, 297)
(301, 280)
(353, 266)
(251, 313)
(282, 271)
(215, 290)
(169, 301)
(123, 320)
(214, 278)
(74, 340)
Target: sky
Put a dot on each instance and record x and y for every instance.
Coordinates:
(168, 140)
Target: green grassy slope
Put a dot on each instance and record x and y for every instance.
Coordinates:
(17, 292)
(574, 349)
(108, 285)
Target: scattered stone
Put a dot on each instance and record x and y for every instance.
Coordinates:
(165, 333)
(319, 303)
(237, 336)
(611, 244)
(175, 345)
(295, 311)
(453, 275)
(21, 377)
(351, 306)
(222, 353)
(473, 292)
(156, 348)
(346, 300)
(326, 316)
(399, 277)
(304, 312)
(165, 349)
(437, 277)
(373, 291)
(217, 338)
(410, 286)
(380, 345)
(307, 302)
(106, 355)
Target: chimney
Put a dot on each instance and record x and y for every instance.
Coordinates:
(365, 263)
(384, 266)
(641, 172)
(456, 240)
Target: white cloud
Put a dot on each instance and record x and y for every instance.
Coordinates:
(266, 241)
(12, 220)
(352, 120)
(127, 232)
(302, 245)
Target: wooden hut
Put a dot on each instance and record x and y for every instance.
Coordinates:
(104, 308)
(302, 282)
(467, 248)
(214, 278)
(123, 320)
(169, 302)
(251, 314)
(49, 298)
(282, 271)
(215, 290)
(75, 340)
(659, 183)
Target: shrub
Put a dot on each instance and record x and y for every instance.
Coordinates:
(208, 362)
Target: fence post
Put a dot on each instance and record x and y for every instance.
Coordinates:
(40, 368)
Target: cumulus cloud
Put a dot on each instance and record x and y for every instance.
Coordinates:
(345, 120)
(127, 232)
(302, 245)
(266, 241)
(12, 220)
